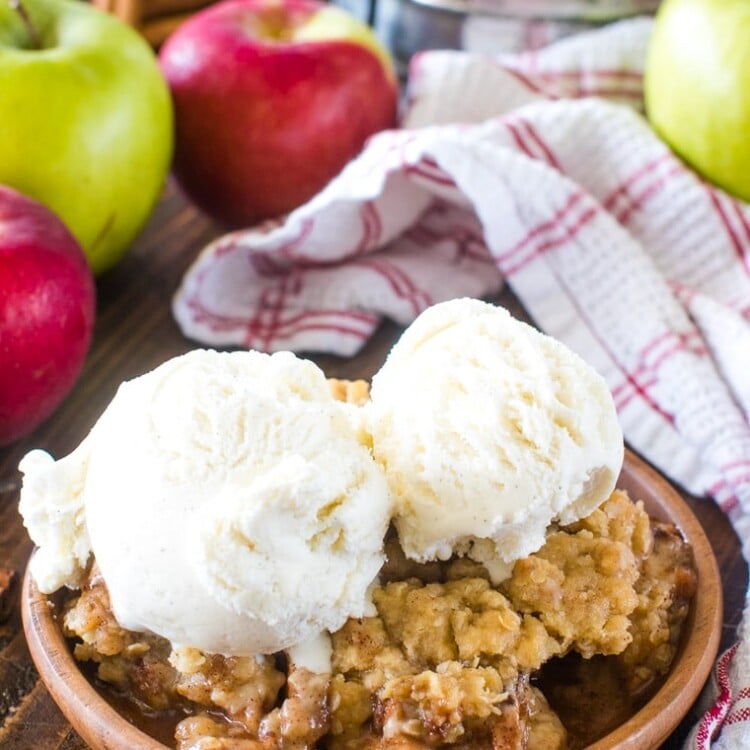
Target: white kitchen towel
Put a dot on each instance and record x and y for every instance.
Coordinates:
(537, 171)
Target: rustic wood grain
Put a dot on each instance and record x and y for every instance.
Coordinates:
(134, 333)
(155, 19)
(161, 8)
(8, 578)
(157, 30)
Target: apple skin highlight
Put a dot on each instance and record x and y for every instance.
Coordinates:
(267, 107)
(47, 305)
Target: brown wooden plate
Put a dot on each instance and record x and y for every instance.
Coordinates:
(102, 727)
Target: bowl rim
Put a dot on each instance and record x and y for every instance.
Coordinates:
(696, 655)
(98, 723)
(102, 726)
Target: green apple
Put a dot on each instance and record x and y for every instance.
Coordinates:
(85, 120)
(697, 87)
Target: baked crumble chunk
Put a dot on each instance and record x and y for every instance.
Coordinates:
(448, 660)
(356, 392)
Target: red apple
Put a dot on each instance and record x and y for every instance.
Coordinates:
(46, 313)
(272, 98)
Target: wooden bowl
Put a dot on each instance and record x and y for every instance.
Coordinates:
(102, 727)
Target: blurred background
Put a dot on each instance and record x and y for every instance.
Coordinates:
(406, 26)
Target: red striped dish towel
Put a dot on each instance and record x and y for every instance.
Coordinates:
(536, 171)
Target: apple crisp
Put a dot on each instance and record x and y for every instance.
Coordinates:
(556, 655)
(447, 661)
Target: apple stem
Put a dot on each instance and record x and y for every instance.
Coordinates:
(18, 7)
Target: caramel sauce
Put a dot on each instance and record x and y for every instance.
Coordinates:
(160, 725)
(589, 696)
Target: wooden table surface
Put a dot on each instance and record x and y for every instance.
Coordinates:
(134, 333)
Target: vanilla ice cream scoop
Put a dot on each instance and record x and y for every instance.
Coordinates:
(228, 500)
(489, 431)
